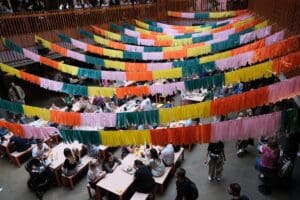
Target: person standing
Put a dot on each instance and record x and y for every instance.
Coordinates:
(216, 155)
(16, 93)
(186, 189)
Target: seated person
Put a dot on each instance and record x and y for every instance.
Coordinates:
(156, 164)
(146, 104)
(71, 162)
(21, 144)
(144, 181)
(99, 102)
(93, 150)
(110, 162)
(94, 173)
(127, 150)
(167, 155)
(170, 104)
(41, 150)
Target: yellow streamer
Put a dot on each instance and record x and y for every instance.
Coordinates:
(101, 91)
(114, 64)
(142, 24)
(113, 53)
(10, 70)
(112, 35)
(69, 69)
(167, 73)
(261, 25)
(42, 113)
(45, 43)
(199, 110)
(128, 137)
(249, 73)
(221, 14)
(101, 40)
(214, 57)
(196, 51)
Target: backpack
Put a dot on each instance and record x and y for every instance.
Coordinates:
(193, 190)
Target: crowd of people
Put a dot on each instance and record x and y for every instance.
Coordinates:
(12, 6)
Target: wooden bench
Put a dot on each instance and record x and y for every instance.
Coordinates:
(15, 156)
(178, 156)
(160, 181)
(139, 196)
(80, 170)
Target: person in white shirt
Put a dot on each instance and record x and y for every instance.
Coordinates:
(94, 173)
(41, 150)
(145, 104)
(167, 155)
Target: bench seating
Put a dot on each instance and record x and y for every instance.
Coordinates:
(15, 156)
(160, 181)
(81, 169)
(179, 155)
(139, 196)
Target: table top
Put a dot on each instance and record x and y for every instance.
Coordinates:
(119, 181)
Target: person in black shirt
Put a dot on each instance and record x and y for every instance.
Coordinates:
(21, 144)
(72, 160)
(144, 181)
(186, 189)
(234, 189)
(216, 155)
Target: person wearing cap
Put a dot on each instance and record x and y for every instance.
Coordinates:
(234, 189)
(41, 150)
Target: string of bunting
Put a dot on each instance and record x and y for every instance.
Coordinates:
(162, 43)
(126, 47)
(287, 121)
(246, 74)
(273, 50)
(206, 15)
(173, 53)
(133, 31)
(224, 35)
(187, 30)
(120, 65)
(262, 96)
(137, 32)
(150, 24)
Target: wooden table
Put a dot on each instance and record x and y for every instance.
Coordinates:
(117, 182)
(57, 158)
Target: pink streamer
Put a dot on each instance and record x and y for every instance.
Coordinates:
(275, 38)
(146, 42)
(76, 56)
(254, 127)
(153, 56)
(258, 34)
(167, 89)
(51, 85)
(39, 132)
(79, 44)
(112, 75)
(159, 66)
(284, 89)
(235, 61)
(96, 119)
(33, 56)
